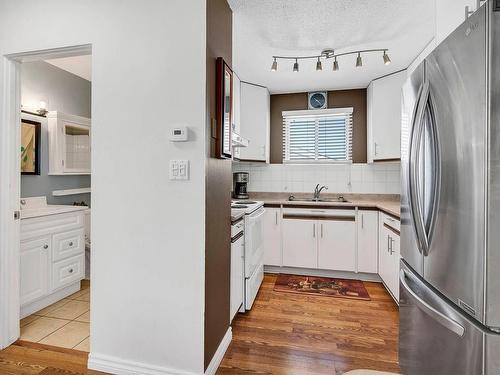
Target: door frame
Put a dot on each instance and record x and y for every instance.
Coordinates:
(10, 171)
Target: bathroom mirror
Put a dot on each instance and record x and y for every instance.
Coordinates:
(224, 78)
(30, 147)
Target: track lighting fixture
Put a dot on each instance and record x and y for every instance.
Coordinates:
(328, 54)
(318, 65)
(386, 58)
(274, 67)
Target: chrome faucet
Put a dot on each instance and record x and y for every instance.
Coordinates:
(318, 190)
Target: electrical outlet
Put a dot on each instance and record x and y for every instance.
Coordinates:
(179, 169)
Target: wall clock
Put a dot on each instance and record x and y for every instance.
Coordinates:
(317, 100)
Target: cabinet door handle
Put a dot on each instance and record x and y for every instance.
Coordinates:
(391, 249)
(388, 239)
(70, 270)
(321, 230)
(45, 246)
(276, 217)
(314, 230)
(375, 148)
(71, 244)
(362, 221)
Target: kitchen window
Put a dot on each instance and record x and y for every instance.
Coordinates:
(317, 136)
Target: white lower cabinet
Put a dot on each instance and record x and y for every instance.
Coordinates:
(272, 235)
(337, 244)
(34, 263)
(52, 259)
(323, 239)
(367, 241)
(300, 243)
(389, 253)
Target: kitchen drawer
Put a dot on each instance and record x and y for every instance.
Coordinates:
(319, 213)
(40, 226)
(68, 244)
(68, 271)
(390, 221)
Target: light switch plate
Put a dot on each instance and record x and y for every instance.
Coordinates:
(179, 169)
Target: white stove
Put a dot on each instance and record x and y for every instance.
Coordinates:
(252, 213)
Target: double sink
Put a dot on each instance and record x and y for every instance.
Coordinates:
(339, 199)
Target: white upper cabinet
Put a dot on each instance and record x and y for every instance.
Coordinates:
(69, 144)
(236, 109)
(384, 117)
(255, 122)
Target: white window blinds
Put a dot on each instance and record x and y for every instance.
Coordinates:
(323, 135)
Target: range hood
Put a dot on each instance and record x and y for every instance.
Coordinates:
(238, 140)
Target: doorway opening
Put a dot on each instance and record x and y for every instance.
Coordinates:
(55, 131)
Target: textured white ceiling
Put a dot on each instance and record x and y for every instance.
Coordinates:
(78, 65)
(263, 28)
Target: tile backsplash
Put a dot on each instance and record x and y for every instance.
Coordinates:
(382, 178)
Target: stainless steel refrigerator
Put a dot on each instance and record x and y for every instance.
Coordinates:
(450, 205)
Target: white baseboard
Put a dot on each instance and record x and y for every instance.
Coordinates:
(118, 366)
(49, 300)
(219, 354)
(324, 273)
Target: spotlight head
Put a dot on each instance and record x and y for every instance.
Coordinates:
(318, 65)
(296, 66)
(386, 58)
(335, 65)
(274, 67)
(359, 61)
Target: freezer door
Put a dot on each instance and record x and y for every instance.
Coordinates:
(411, 93)
(434, 336)
(456, 73)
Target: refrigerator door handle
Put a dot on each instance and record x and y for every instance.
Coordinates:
(445, 321)
(414, 197)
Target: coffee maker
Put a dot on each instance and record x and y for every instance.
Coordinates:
(240, 181)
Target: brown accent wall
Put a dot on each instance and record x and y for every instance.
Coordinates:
(298, 101)
(218, 191)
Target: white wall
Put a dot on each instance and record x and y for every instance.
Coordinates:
(380, 178)
(147, 295)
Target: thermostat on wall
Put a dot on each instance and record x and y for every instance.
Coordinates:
(179, 134)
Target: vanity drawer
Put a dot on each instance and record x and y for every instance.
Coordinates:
(41, 226)
(68, 244)
(68, 271)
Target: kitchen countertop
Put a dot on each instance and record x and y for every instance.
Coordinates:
(388, 203)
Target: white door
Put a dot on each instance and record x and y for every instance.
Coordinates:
(255, 122)
(300, 243)
(367, 241)
(272, 236)
(34, 271)
(337, 244)
(384, 258)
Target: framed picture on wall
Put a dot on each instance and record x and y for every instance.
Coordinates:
(30, 147)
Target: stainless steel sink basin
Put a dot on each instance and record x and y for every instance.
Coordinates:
(339, 199)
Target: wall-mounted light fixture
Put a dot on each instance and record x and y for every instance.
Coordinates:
(328, 54)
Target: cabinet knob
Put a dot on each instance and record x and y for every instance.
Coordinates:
(45, 246)
(70, 270)
(71, 244)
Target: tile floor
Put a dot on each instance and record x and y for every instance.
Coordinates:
(65, 323)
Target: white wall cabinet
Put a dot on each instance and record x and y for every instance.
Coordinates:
(69, 144)
(337, 244)
(384, 117)
(300, 243)
(236, 110)
(52, 259)
(389, 253)
(272, 235)
(255, 122)
(367, 241)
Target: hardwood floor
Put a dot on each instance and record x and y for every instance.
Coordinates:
(283, 334)
(27, 358)
(295, 334)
